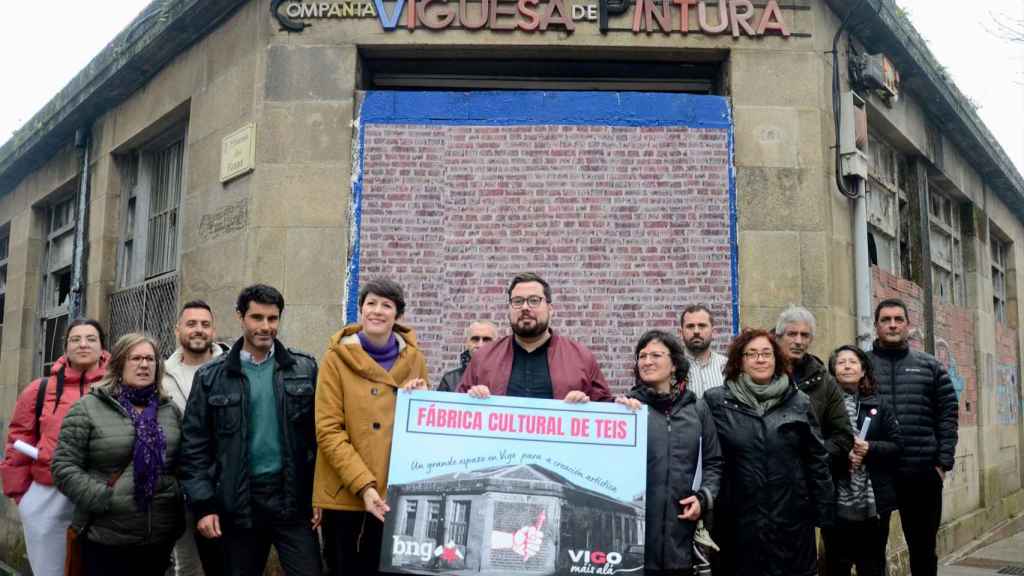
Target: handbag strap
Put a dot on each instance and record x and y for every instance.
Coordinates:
(110, 483)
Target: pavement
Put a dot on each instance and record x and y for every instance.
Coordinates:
(1003, 554)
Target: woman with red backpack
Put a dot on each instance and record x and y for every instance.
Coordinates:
(32, 436)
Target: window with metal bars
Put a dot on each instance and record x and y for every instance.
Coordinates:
(411, 507)
(59, 222)
(151, 190)
(434, 520)
(458, 529)
(1000, 251)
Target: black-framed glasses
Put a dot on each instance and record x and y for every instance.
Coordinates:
(517, 302)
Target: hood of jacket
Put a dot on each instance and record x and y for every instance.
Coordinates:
(345, 343)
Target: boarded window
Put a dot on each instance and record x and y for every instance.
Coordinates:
(59, 221)
(1000, 252)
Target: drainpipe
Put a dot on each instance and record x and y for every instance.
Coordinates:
(76, 304)
(862, 267)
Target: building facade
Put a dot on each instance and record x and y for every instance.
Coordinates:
(641, 155)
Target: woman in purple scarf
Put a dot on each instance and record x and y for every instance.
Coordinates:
(116, 458)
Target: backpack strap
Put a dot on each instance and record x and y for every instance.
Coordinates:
(40, 400)
(44, 383)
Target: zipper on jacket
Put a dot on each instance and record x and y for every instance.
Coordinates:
(668, 486)
(892, 387)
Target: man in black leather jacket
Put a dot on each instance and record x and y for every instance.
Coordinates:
(249, 446)
(922, 396)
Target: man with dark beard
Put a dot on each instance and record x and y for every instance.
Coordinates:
(195, 333)
(534, 361)
(697, 331)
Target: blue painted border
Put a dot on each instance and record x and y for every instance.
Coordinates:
(516, 108)
(352, 276)
(537, 108)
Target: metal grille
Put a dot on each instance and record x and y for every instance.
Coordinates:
(162, 247)
(150, 307)
(1018, 570)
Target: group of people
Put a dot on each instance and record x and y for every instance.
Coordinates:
(218, 453)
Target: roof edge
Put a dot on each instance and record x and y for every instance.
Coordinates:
(163, 29)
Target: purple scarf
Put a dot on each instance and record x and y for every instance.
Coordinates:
(148, 452)
(385, 356)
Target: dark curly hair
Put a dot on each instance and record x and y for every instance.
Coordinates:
(675, 352)
(868, 384)
(734, 358)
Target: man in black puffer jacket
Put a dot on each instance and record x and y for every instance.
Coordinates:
(922, 397)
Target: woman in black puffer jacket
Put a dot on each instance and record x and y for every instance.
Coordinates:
(864, 478)
(775, 483)
(683, 459)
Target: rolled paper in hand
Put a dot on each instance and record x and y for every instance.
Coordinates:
(27, 449)
(864, 427)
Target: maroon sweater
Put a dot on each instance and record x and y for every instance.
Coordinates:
(572, 367)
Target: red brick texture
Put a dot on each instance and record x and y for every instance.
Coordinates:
(954, 336)
(628, 224)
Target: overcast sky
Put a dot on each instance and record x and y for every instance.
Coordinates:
(42, 56)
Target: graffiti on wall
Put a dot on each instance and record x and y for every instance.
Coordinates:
(1008, 408)
(944, 354)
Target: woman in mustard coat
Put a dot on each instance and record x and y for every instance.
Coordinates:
(360, 375)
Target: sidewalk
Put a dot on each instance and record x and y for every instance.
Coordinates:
(1003, 556)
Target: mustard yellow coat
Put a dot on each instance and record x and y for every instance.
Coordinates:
(355, 414)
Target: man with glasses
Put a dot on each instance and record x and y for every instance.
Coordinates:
(534, 362)
(478, 334)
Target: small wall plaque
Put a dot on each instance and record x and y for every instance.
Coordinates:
(238, 153)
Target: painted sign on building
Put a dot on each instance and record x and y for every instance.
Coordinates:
(735, 17)
(514, 486)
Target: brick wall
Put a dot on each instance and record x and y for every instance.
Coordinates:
(628, 224)
(954, 337)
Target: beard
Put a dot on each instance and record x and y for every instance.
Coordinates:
(697, 345)
(197, 345)
(538, 328)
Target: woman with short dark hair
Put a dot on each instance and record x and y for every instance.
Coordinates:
(365, 366)
(776, 484)
(684, 463)
(35, 424)
(116, 459)
(864, 478)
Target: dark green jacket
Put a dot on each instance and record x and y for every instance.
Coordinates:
(95, 444)
(812, 378)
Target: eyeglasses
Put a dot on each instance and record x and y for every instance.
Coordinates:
(652, 356)
(532, 301)
(141, 360)
(759, 355)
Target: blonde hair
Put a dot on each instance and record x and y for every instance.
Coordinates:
(119, 359)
